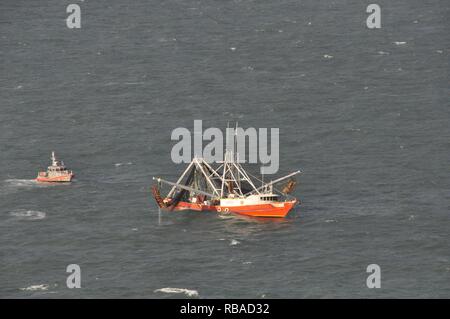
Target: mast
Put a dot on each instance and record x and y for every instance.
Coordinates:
(54, 161)
(238, 181)
(233, 174)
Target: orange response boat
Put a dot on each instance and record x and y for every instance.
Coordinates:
(56, 173)
(227, 189)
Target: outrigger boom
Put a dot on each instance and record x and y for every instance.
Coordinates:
(277, 181)
(181, 186)
(176, 185)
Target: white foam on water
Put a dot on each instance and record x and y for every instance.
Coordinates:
(166, 39)
(187, 292)
(134, 83)
(36, 287)
(247, 68)
(16, 185)
(21, 182)
(400, 42)
(27, 214)
(225, 216)
(331, 221)
(121, 164)
(234, 242)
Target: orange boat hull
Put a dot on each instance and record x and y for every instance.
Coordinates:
(56, 179)
(278, 209)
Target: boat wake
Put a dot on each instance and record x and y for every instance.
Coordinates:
(14, 185)
(187, 292)
(23, 214)
(21, 183)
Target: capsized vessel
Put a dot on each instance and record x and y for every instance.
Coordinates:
(226, 189)
(56, 173)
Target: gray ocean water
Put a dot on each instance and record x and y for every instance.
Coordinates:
(364, 113)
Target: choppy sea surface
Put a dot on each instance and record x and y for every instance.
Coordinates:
(364, 113)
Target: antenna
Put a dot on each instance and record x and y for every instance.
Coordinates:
(235, 142)
(226, 138)
(53, 158)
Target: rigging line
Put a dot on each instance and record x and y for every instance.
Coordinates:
(273, 186)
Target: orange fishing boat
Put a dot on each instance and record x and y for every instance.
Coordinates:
(226, 189)
(56, 173)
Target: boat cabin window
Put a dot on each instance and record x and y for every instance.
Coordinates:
(269, 198)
